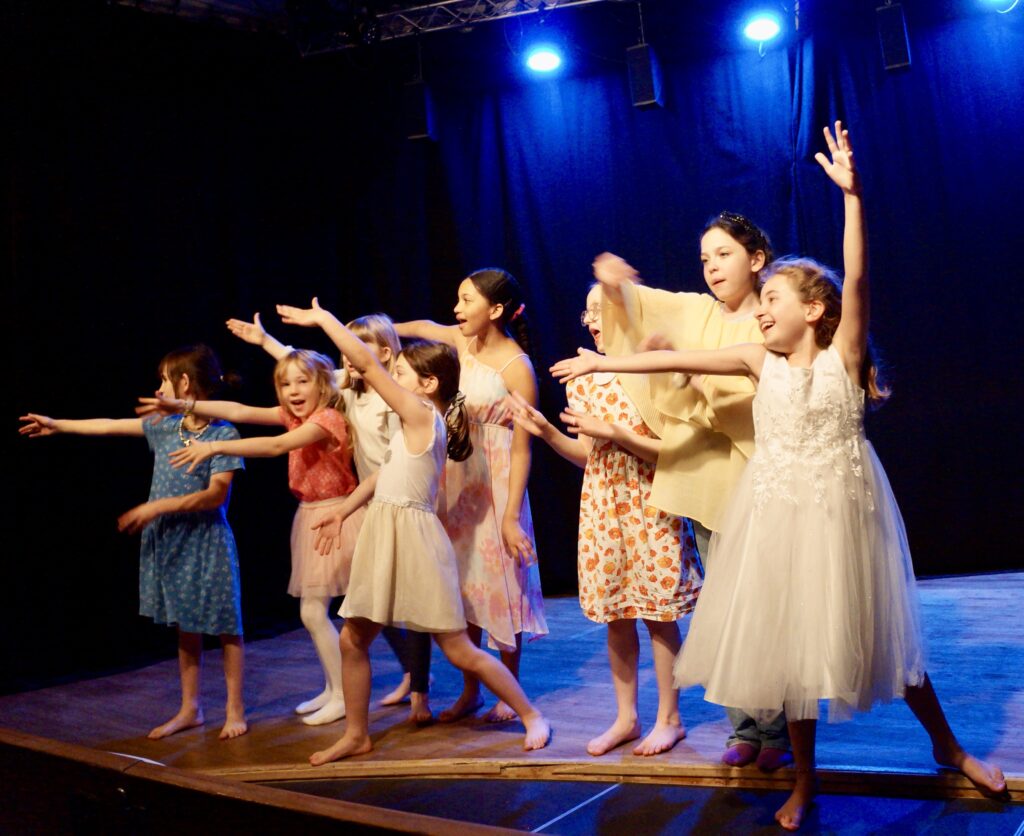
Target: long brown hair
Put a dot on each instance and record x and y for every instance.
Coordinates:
(815, 282)
(750, 236)
(439, 360)
(500, 287)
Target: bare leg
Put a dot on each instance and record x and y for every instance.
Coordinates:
(465, 655)
(190, 668)
(234, 673)
(668, 728)
(469, 701)
(315, 613)
(502, 711)
(400, 693)
(946, 749)
(623, 659)
(356, 637)
(802, 733)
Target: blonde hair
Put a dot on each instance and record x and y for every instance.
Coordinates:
(318, 366)
(373, 329)
(439, 360)
(814, 282)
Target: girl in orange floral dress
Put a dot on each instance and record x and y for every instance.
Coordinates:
(488, 517)
(635, 561)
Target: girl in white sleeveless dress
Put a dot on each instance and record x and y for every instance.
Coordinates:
(404, 571)
(810, 591)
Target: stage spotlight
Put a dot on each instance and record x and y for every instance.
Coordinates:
(762, 27)
(543, 59)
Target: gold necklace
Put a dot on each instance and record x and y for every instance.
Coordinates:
(187, 442)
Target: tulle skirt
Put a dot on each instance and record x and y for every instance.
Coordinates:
(809, 594)
(314, 574)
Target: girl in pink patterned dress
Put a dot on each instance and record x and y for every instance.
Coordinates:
(319, 448)
(489, 518)
(635, 561)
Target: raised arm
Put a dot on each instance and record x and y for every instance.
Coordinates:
(851, 336)
(236, 413)
(745, 359)
(40, 426)
(613, 272)
(259, 447)
(408, 406)
(212, 496)
(254, 333)
(425, 329)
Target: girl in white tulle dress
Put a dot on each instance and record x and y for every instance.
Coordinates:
(810, 594)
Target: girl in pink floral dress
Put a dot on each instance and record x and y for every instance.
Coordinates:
(635, 561)
(488, 516)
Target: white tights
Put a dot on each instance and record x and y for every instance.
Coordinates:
(329, 705)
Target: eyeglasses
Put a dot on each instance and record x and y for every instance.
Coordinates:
(589, 315)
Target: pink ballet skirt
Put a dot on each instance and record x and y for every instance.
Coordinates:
(314, 574)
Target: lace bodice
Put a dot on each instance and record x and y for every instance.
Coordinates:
(809, 426)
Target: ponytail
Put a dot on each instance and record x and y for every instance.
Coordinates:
(456, 419)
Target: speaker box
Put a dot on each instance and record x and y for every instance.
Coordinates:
(892, 32)
(644, 76)
(417, 115)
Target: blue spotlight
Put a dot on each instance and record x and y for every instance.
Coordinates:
(762, 27)
(543, 59)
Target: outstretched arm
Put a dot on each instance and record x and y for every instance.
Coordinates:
(745, 359)
(425, 329)
(254, 333)
(236, 413)
(212, 496)
(851, 336)
(261, 447)
(40, 426)
(532, 420)
(408, 406)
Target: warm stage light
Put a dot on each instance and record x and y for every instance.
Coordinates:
(762, 28)
(543, 59)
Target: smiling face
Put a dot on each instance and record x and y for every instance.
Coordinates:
(729, 270)
(474, 312)
(784, 318)
(299, 391)
(593, 317)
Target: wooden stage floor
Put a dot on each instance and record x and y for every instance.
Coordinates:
(976, 648)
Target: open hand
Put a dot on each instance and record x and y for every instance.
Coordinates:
(578, 422)
(133, 521)
(571, 368)
(527, 416)
(192, 455)
(307, 317)
(37, 426)
(840, 169)
(159, 404)
(328, 533)
(613, 271)
(252, 332)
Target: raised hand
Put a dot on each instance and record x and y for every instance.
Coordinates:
(37, 426)
(571, 368)
(159, 404)
(840, 168)
(526, 416)
(307, 317)
(192, 455)
(252, 332)
(612, 271)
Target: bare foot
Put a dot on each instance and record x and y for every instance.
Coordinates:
(501, 713)
(791, 814)
(187, 718)
(465, 705)
(661, 738)
(538, 731)
(419, 709)
(344, 748)
(314, 704)
(987, 777)
(332, 711)
(401, 692)
(233, 727)
(616, 734)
